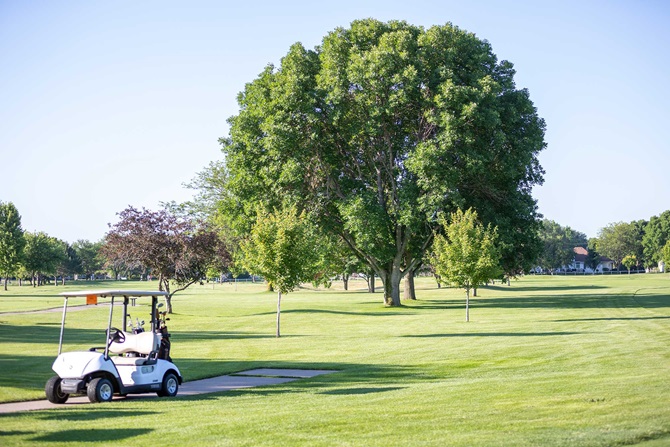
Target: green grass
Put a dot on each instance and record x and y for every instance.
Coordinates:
(556, 361)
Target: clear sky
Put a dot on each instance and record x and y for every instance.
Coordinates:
(105, 104)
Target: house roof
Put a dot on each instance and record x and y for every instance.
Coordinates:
(580, 254)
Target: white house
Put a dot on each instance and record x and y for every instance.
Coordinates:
(579, 262)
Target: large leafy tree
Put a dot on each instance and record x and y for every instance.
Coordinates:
(466, 255)
(70, 264)
(280, 248)
(618, 240)
(89, 256)
(177, 250)
(656, 235)
(379, 129)
(12, 240)
(42, 255)
(558, 244)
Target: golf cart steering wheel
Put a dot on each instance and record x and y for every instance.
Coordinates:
(116, 335)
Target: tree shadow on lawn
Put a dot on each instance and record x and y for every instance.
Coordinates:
(389, 313)
(493, 334)
(92, 435)
(546, 288)
(91, 414)
(351, 379)
(177, 336)
(572, 301)
(49, 334)
(611, 319)
(357, 391)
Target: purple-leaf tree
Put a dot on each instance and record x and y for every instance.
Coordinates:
(177, 250)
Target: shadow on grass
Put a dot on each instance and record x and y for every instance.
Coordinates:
(48, 334)
(91, 414)
(92, 435)
(350, 379)
(572, 301)
(548, 288)
(356, 391)
(611, 319)
(217, 335)
(391, 311)
(494, 334)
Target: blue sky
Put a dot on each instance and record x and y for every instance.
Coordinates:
(108, 104)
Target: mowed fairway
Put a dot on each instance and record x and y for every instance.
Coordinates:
(549, 361)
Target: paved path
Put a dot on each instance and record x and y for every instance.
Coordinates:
(244, 379)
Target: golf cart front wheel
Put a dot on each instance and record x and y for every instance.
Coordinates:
(54, 393)
(170, 386)
(100, 390)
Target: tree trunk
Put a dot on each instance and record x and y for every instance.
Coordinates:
(474, 292)
(278, 312)
(345, 280)
(5, 283)
(168, 304)
(467, 304)
(164, 286)
(391, 281)
(371, 283)
(409, 293)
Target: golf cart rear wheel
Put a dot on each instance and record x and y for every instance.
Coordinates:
(170, 386)
(100, 390)
(54, 393)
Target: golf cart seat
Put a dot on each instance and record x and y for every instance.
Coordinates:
(143, 343)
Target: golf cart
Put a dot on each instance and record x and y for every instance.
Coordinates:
(130, 362)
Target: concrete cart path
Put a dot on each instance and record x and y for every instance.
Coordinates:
(244, 379)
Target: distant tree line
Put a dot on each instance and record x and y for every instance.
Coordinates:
(37, 258)
(638, 244)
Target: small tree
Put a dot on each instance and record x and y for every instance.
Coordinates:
(12, 240)
(629, 261)
(280, 249)
(466, 255)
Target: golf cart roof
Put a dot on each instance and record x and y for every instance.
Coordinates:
(110, 293)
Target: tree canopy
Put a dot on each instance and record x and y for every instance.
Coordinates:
(656, 235)
(173, 249)
(12, 240)
(280, 248)
(618, 240)
(42, 255)
(559, 243)
(381, 128)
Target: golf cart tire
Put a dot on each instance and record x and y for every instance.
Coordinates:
(100, 390)
(170, 385)
(53, 391)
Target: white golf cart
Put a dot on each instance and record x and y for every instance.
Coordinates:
(132, 362)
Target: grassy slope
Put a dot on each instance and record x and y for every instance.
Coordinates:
(548, 361)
